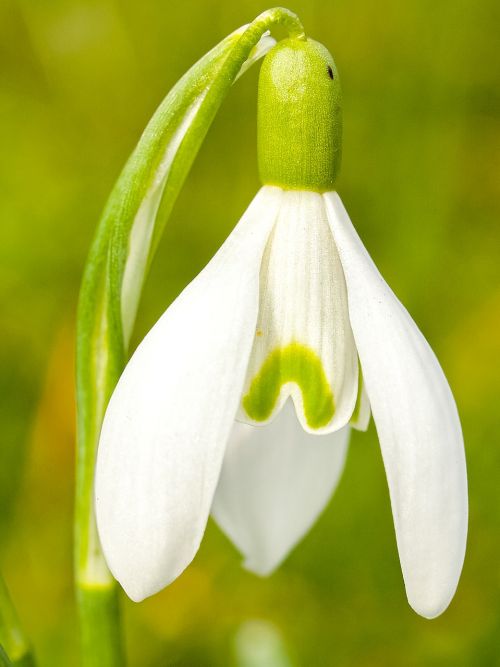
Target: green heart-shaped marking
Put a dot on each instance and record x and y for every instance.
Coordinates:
(293, 363)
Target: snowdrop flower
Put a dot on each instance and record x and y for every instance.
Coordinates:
(240, 400)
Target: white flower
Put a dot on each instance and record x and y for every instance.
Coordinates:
(203, 417)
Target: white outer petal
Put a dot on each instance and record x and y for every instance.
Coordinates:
(168, 421)
(275, 481)
(417, 423)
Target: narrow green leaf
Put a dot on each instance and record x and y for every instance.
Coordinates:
(100, 345)
(14, 647)
(125, 242)
(4, 658)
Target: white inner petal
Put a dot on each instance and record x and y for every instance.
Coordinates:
(303, 347)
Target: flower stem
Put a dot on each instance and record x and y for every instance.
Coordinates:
(4, 658)
(101, 640)
(15, 648)
(148, 186)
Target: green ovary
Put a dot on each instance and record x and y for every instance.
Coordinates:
(294, 363)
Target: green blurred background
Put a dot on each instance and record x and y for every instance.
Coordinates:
(421, 179)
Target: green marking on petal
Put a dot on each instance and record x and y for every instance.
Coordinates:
(292, 363)
(357, 407)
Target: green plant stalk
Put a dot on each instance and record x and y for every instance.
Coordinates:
(4, 658)
(124, 245)
(14, 647)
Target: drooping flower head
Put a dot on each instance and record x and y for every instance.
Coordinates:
(240, 400)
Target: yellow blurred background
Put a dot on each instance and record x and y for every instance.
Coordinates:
(421, 179)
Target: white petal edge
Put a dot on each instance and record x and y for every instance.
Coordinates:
(168, 421)
(417, 423)
(275, 481)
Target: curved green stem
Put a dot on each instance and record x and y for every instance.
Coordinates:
(125, 242)
(4, 658)
(14, 647)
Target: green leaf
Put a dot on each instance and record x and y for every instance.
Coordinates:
(14, 647)
(4, 658)
(125, 242)
(126, 239)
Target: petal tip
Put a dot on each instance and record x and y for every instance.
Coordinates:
(430, 604)
(135, 594)
(139, 587)
(259, 568)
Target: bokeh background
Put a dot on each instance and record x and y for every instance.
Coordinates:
(421, 179)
